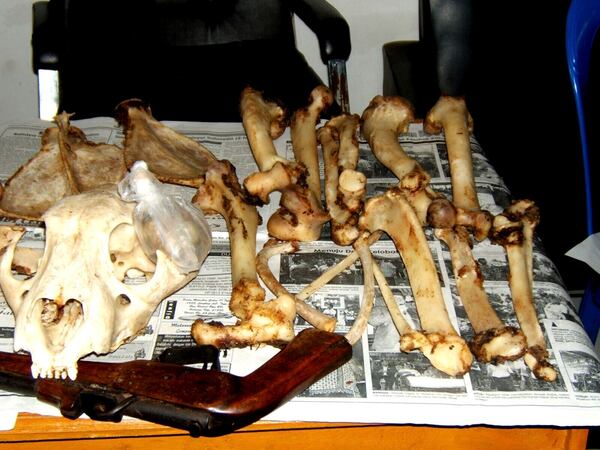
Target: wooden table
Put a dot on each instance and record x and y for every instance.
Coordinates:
(32, 432)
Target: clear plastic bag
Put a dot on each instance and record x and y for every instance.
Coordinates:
(165, 222)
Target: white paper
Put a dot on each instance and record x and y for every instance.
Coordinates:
(588, 251)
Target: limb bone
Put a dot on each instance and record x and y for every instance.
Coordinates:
(493, 341)
(344, 186)
(260, 321)
(439, 341)
(301, 215)
(514, 229)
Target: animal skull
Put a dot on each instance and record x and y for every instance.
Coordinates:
(77, 302)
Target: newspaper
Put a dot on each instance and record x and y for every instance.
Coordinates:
(380, 383)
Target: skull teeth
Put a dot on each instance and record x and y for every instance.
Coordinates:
(54, 372)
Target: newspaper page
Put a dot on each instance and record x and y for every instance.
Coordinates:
(380, 384)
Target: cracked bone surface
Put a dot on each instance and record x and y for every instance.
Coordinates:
(171, 156)
(312, 315)
(67, 163)
(259, 321)
(513, 229)
(300, 216)
(77, 302)
(438, 341)
(344, 185)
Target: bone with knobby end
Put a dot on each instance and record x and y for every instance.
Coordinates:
(392, 213)
(441, 213)
(304, 135)
(263, 122)
(429, 344)
(493, 341)
(382, 123)
(508, 231)
(260, 322)
(344, 229)
(222, 194)
(279, 177)
(359, 325)
(351, 183)
(451, 115)
(312, 315)
(301, 215)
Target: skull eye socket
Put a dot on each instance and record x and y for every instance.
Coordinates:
(126, 255)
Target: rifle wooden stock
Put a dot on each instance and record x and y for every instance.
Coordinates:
(203, 402)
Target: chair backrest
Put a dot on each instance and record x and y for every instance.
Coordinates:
(189, 59)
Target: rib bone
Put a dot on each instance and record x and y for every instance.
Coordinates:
(514, 229)
(360, 323)
(439, 341)
(312, 315)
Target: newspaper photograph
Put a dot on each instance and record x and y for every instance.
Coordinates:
(380, 383)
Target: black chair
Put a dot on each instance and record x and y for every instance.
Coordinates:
(439, 62)
(188, 59)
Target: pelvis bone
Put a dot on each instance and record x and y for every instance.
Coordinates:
(77, 302)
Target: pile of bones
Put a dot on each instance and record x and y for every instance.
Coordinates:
(70, 185)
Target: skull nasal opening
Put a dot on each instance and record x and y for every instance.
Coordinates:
(53, 312)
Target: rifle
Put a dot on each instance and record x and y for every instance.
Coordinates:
(203, 402)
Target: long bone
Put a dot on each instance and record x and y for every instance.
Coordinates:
(344, 185)
(301, 215)
(260, 322)
(451, 115)
(493, 341)
(312, 315)
(382, 123)
(513, 229)
(361, 246)
(303, 131)
(439, 341)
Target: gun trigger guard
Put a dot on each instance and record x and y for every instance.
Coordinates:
(103, 407)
